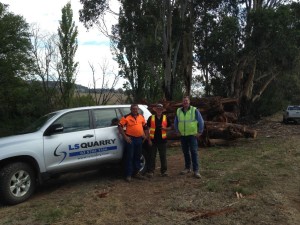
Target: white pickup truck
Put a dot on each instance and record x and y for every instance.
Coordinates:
(291, 114)
(61, 141)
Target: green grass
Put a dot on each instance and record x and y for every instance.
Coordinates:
(258, 169)
(49, 215)
(247, 168)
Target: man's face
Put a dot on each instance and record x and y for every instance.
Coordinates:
(159, 111)
(186, 102)
(135, 110)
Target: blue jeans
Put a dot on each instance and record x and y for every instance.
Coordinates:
(189, 145)
(133, 156)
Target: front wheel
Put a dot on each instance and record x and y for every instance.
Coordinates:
(17, 183)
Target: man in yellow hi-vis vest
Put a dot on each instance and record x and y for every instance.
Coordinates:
(189, 124)
(158, 124)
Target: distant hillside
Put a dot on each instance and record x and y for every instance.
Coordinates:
(82, 89)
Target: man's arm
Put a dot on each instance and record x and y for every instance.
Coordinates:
(121, 131)
(200, 121)
(176, 124)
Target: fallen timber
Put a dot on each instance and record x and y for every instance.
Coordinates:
(220, 116)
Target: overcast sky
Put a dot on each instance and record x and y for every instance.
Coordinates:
(93, 47)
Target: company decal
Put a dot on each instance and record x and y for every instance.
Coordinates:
(92, 144)
(99, 148)
(92, 151)
(63, 152)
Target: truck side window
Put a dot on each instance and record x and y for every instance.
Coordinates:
(105, 117)
(126, 111)
(74, 121)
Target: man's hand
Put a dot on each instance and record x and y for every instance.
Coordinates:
(198, 135)
(149, 142)
(127, 139)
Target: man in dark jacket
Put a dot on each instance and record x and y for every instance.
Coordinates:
(158, 125)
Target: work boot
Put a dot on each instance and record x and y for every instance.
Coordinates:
(185, 171)
(164, 174)
(139, 176)
(197, 175)
(149, 175)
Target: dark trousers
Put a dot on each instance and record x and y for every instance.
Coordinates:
(133, 156)
(189, 145)
(152, 151)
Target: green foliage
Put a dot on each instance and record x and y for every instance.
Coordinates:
(92, 10)
(217, 40)
(68, 45)
(139, 50)
(83, 100)
(231, 41)
(26, 103)
(14, 47)
(15, 65)
(282, 92)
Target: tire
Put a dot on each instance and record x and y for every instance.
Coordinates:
(17, 183)
(284, 121)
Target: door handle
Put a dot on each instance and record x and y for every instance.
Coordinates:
(88, 136)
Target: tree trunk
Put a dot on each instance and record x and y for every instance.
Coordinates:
(167, 48)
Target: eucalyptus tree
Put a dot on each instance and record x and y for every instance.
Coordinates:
(265, 56)
(241, 48)
(217, 42)
(68, 44)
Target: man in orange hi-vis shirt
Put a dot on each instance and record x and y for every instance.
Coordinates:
(134, 134)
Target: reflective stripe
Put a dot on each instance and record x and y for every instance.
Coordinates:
(163, 124)
(152, 127)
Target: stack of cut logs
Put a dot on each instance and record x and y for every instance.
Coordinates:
(220, 116)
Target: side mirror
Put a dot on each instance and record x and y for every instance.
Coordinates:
(53, 129)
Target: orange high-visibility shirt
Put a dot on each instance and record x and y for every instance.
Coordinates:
(134, 125)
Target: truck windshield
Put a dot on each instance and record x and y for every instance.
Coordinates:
(35, 126)
(294, 108)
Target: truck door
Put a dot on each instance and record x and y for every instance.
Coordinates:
(73, 146)
(107, 134)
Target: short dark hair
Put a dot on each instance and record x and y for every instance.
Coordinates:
(133, 105)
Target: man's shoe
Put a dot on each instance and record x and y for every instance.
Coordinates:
(149, 175)
(185, 171)
(197, 175)
(128, 179)
(139, 176)
(164, 174)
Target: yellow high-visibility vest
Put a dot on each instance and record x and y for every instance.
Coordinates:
(187, 123)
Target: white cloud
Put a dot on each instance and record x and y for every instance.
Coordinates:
(93, 47)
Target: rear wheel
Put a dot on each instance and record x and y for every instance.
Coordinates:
(284, 120)
(17, 183)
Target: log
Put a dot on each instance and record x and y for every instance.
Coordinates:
(228, 130)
